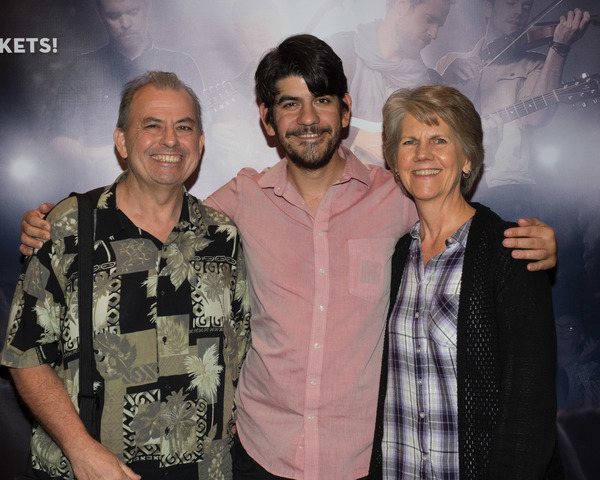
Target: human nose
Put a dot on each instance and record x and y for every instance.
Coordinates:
(125, 21)
(169, 137)
(423, 151)
(433, 30)
(308, 115)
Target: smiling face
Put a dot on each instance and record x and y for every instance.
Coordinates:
(506, 17)
(162, 142)
(308, 128)
(430, 161)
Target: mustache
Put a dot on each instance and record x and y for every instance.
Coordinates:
(308, 129)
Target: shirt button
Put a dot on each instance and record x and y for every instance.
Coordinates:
(320, 234)
(418, 350)
(310, 418)
(424, 458)
(420, 382)
(417, 315)
(321, 271)
(313, 382)
(317, 345)
(422, 414)
(321, 308)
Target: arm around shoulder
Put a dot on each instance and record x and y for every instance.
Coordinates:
(532, 240)
(35, 229)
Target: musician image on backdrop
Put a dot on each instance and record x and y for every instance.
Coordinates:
(494, 78)
(89, 93)
(382, 56)
(230, 104)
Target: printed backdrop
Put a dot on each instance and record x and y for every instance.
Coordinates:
(58, 108)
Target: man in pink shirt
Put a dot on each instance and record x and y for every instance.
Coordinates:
(318, 231)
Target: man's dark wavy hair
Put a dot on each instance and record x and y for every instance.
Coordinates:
(304, 56)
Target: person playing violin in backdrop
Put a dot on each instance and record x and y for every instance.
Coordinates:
(495, 82)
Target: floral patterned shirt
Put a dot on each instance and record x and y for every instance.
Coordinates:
(171, 328)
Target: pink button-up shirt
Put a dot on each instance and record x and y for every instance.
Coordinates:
(319, 285)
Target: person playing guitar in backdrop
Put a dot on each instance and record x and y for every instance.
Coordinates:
(495, 79)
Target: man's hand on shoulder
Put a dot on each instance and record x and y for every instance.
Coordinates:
(532, 240)
(34, 229)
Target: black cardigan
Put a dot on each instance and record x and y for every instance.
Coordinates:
(506, 357)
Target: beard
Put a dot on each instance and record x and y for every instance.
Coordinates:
(310, 154)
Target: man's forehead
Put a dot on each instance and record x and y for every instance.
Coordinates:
(295, 87)
(437, 8)
(118, 6)
(149, 99)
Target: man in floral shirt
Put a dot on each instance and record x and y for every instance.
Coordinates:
(171, 317)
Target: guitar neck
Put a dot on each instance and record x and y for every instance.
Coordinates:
(527, 107)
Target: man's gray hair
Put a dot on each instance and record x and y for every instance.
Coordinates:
(160, 81)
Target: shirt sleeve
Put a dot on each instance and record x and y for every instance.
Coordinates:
(36, 312)
(226, 198)
(38, 317)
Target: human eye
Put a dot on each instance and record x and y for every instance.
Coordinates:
(287, 104)
(185, 128)
(408, 141)
(440, 141)
(152, 124)
(324, 100)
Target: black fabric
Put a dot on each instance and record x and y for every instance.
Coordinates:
(245, 467)
(506, 356)
(88, 406)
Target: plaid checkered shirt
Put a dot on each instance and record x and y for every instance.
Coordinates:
(420, 416)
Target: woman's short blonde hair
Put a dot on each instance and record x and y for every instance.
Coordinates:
(428, 104)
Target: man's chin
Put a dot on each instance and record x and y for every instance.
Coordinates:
(309, 165)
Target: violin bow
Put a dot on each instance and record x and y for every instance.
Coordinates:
(529, 26)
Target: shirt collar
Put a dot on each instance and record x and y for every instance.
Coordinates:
(276, 176)
(460, 236)
(111, 221)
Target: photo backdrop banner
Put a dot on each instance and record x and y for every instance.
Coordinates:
(64, 64)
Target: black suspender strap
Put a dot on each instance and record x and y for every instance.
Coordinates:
(87, 399)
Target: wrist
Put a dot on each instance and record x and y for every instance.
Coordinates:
(561, 48)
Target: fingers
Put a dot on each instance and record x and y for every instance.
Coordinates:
(34, 229)
(532, 240)
(572, 26)
(546, 261)
(45, 207)
(129, 472)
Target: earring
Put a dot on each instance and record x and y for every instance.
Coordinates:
(466, 175)
(396, 175)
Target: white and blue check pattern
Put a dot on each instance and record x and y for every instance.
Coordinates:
(420, 417)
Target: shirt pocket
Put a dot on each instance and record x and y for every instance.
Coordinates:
(369, 272)
(442, 325)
